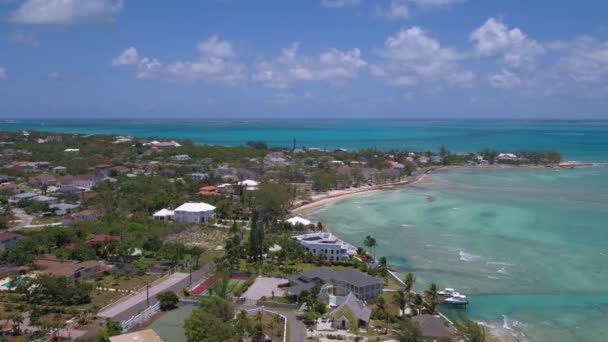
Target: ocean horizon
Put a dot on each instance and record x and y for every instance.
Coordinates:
(458, 135)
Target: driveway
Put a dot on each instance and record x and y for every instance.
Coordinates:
(25, 219)
(264, 287)
(133, 304)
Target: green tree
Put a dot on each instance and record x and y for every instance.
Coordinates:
(203, 326)
(168, 300)
(471, 331)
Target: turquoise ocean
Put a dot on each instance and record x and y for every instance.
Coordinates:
(529, 246)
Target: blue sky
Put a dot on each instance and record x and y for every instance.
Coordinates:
(313, 58)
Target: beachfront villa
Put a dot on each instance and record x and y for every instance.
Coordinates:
(327, 243)
(194, 212)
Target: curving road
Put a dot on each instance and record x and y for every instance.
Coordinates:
(25, 219)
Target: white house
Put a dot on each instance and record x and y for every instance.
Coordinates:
(164, 215)
(69, 150)
(249, 184)
(506, 157)
(326, 243)
(299, 220)
(194, 212)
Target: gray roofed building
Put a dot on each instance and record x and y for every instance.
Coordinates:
(432, 326)
(63, 208)
(364, 286)
(350, 308)
(22, 197)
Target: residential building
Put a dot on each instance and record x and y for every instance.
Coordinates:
(60, 169)
(180, 157)
(199, 176)
(432, 327)
(350, 313)
(275, 159)
(15, 199)
(249, 185)
(86, 270)
(101, 239)
(61, 209)
(326, 243)
(83, 216)
(46, 199)
(194, 212)
(297, 220)
(164, 215)
(341, 282)
(208, 190)
(9, 240)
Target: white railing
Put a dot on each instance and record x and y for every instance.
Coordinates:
(140, 318)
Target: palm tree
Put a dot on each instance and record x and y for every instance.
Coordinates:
(431, 298)
(409, 281)
(370, 242)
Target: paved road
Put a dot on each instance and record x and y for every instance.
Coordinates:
(25, 219)
(137, 302)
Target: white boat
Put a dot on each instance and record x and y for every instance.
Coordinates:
(447, 292)
(457, 299)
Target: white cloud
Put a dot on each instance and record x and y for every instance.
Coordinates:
(505, 80)
(395, 9)
(411, 56)
(65, 11)
(495, 39)
(127, 57)
(331, 65)
(3, 74)
(56, 75)
(214, 47)
(213, 65)
(339, 3)
(24, 38)
(429, 4)
(584, 59)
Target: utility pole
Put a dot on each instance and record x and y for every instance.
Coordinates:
(147, 295)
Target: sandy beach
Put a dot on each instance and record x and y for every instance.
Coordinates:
(328, 197)
(319, 199)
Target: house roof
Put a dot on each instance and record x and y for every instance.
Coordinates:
(66, 268)
(195, 207)
(249, 182)
(101, 238)
(297, 219)
(432, 326)
(164, 213)
(306, 280)
(8, 236)
(356, 306)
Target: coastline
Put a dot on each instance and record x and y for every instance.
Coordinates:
(333, 196)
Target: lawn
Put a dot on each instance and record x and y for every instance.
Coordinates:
(130, 282)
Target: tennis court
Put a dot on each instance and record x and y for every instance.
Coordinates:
(170, 326)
